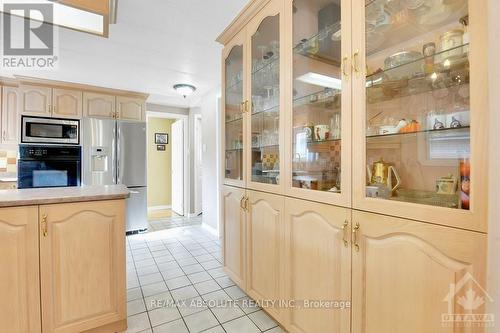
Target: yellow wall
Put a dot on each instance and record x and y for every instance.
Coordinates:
(159, 164)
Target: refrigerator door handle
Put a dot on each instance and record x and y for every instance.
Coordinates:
(114, 155)
(118, 156)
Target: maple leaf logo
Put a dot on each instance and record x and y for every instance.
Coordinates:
(471, 301)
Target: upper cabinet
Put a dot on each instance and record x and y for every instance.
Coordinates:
(67, 103)
(319, 97)
(234, 108)
(98, 105)
(264, 133)
(421, 112)
(10, 120)
(128, 108)
(36, 100)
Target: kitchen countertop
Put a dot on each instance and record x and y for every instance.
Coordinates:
(42, 196)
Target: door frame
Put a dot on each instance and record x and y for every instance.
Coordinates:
(197, 148)
(185, 125)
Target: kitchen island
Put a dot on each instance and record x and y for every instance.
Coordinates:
(63, 259)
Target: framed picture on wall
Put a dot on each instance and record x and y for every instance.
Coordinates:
(161, 138)
(161, 147)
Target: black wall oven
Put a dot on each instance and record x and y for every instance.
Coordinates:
(49, 166)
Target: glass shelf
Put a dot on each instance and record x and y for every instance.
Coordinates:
(450, 72)
(315, 100)
(273, 109)
(268, 147)
(269, 64)
(435, 131)
(311, 47)
(234, 120)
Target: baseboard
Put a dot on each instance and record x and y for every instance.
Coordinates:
(154, 208)
(210, 229)
(193, 215)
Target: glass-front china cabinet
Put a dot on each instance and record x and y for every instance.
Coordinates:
(416, 121)
(234, 106)
(265, 79)
(320, 94)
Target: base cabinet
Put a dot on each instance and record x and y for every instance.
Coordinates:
(19, 278)
(63, 268)
(318, 266)
(82, 267)
(234, 234)
(342, 270)
(264, 239)
(411, 277)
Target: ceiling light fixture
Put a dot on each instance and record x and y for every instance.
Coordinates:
(185, 89)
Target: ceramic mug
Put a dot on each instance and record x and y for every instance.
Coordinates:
(321, 132)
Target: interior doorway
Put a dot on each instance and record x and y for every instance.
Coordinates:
(167, 165)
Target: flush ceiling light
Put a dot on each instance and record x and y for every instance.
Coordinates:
(184, 89)
(321, 80)
(91, 20)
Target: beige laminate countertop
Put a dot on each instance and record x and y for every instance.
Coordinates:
(42, 196)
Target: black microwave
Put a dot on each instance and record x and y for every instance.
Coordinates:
(42, 130)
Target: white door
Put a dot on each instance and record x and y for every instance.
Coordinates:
(198, 165)
(178, 167)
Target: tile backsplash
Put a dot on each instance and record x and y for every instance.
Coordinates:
(8, 162)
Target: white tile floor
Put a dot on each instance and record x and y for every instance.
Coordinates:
(176, 284)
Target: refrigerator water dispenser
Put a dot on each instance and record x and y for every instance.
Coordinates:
(100, 159)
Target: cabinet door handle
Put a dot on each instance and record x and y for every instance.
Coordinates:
(4, 135)
(355, 63)
(344, 233)
(242, 107)
(344, 67)
(355, 232)
(45, 230)
(242, 203)
(247, 103)
(246, 203)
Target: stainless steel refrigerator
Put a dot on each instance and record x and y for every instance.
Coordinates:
(114, 152)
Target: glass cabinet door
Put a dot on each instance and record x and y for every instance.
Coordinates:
(234, 108)
(418, 113)
(319, 88)
(265, 111)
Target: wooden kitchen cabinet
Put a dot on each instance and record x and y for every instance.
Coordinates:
(404, 273)
(233, 99)
(82, 265)
(369, 118)
(10, 115)
(67, 103)
(264, 248)
(421, 109)
(19, 279)
(94, 6)
(36, 100)
(128, 108)
(318, 265)
(99, 105)
(234, 219)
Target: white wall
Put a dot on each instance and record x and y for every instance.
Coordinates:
(494, 179)
(209, 122)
